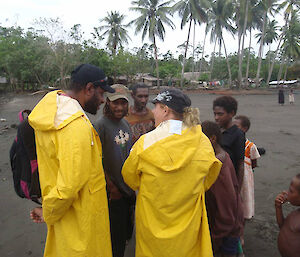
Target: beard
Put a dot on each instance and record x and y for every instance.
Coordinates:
(91, 106)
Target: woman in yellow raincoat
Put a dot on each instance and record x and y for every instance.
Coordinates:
(172, 167)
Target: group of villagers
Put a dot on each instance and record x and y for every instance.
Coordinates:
(189, 187)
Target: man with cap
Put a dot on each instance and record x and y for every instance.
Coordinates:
(116, 139)
(172, 167)
(74, 201)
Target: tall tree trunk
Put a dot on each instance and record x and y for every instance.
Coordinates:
(193, 67)
(200, 65)
(213, 60)
(280, 70)
(261, 48)
(248, 61)
(277, 49)
(185, 53)
(228, 65)
(156, 62)
(239, 57)
(243, 41)
(286, 69)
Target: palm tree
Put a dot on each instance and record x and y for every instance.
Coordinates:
(153, 15)
(115, 30)
(269, 7)
(291, 43)
(271, 34)
(189, 11)
(241, 21)
(203, 47)
(289, 6)
(254, 21)
(220, 19)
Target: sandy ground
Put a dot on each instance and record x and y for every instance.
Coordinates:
(274, 127)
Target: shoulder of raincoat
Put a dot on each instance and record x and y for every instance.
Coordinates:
(171, 173)
(72, 180)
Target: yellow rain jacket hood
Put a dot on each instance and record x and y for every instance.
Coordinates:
(72, 180)
(171, 173)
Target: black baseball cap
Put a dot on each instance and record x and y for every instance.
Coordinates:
(85, 73)
(173, 98)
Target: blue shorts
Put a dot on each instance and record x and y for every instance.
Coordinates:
(230, 245)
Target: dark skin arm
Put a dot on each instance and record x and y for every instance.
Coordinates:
(279, 201)
(254, 163)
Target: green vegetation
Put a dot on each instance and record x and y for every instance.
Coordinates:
(46, 53)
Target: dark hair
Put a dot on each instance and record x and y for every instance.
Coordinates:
(227, 102)
(136, 86)
(245, 122)
(210, 129)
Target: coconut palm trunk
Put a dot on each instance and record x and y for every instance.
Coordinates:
(213, 59)
(248, 60)
(193, 67)
(228, 65)
(156, 61)
(241, 56)
(280, 70)
(185, 53)
(277, 49)
(261, 48)
(200, 65)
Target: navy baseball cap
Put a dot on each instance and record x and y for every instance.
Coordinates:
(173, 98)
(85, 73)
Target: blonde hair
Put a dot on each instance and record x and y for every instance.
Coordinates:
(191, 116)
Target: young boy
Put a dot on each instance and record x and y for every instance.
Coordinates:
(233, 139)
(223, 201)
(250, 162)
(289, 235)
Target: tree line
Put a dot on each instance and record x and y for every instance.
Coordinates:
(47, 52)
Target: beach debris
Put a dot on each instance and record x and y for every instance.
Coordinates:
(4, 129)
(4, 179)
(3, 120)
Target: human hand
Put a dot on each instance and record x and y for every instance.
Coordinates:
(36, 215)
(281, 199)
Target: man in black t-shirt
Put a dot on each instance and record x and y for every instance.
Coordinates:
(233, 139)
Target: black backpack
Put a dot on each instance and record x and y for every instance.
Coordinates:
(23, 161)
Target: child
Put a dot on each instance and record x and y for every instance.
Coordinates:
(250, 162)
(289, 235)
(233, 139)
(224, 206)
(291, 97)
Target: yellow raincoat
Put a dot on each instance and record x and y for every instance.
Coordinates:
(171, 173)
(72, 179)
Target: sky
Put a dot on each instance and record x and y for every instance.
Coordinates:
(89, 12)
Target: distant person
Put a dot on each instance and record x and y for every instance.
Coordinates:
(115, 135)
(233, 139)
(281, 97)
(223, 201)
(171, 167)
(250, 162)
(291, 97)
(74, 199)
(140, 118)
(289, 235)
